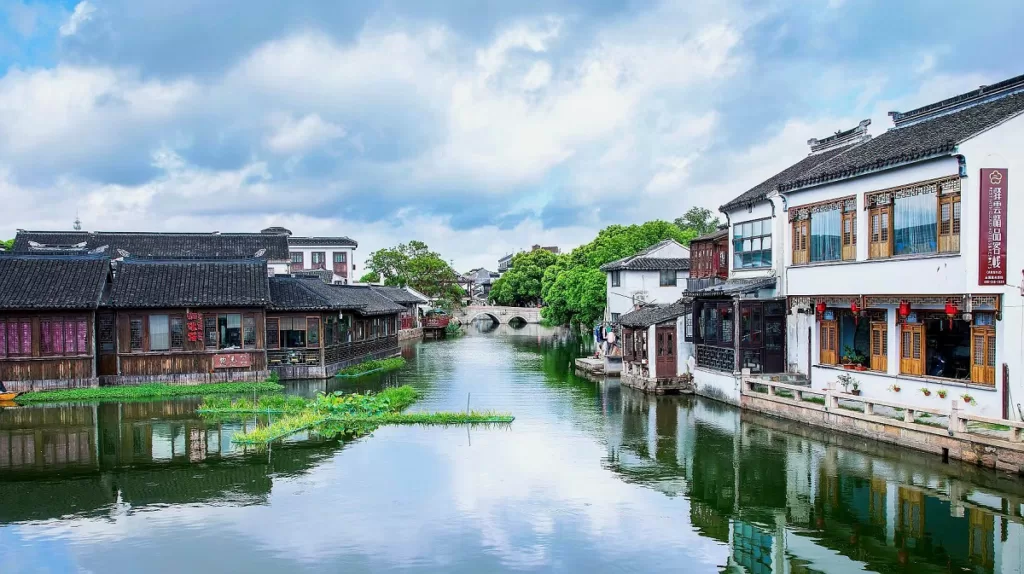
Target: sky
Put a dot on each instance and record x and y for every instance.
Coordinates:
(478, 127)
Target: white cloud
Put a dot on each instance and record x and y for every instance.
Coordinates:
(298, 135)
(84, 11)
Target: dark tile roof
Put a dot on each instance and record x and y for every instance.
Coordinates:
(325, 275)
(717, 234)
(648, 264)
(310, 294)
(189, 283)
(761, 190)
(734, 287)
(51, 281)
(653, 314)
(322, 241)
(922, 140)
(644, 263)
(156, 245)
(372, 303)
(397, 294)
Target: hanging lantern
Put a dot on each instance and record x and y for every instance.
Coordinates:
(854, 308)
(904, 308)
(820, 308)
(951, 312)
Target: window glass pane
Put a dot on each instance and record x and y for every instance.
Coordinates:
(755, 244)
(748, 260)
(135, 334)
(177, 333)
(755, 227)
(766, 258)
(766, 243)
(210, 326)
(250, 332)
(748, 228)
(737, 230)
(826, 235)
(746, 245)
(272, 333)
(159, 333)
(312, 332)
(914, 224)
(737, 261)
(230, 328)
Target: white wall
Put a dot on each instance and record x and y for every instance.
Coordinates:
(620, 299)
(717, 385)
(329, 251)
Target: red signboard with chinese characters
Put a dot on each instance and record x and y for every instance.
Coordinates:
(992, 236)
(231, 360)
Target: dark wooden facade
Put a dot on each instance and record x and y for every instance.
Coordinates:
(338, 342)
(197, 345)
(709, 256)
(42, 350)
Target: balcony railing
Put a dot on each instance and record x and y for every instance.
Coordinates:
(716, 358)
(308, 357)
(696, 284)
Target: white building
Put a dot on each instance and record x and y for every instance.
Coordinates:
(898, 262)
(655, 275)
(333, 254)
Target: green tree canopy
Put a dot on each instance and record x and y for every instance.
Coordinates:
(415, 265)
(370, 277)
(700, 220)
(521, 284)
(573, 288)
(7, 243)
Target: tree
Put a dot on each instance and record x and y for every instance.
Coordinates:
(7, 244)
(413, 264)
(521, 284)
(370, 277)
(573, 289)
(700, 220)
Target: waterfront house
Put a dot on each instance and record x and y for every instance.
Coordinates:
(477, 283)
(183, 321)
(141, 245)
(410, 302)
(739, 321)
(48, 320)
(650, 345)
(899, 261)
(657, 274)
(709, 259)
(314, 330)
(333, 254)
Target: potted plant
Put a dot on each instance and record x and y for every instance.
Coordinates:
(852, 359)
(926, 391)
(968, 399)
(941, 393)
(895, 387)
(855, 389)
(848, 383)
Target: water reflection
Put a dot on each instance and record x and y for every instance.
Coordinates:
(592, 476)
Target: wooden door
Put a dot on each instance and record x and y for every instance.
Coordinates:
(828, 343)
(106, 345)
(912, 349)
(983, 355)
(666, 355)
(879, 346)
(774, 344)
(628, 351)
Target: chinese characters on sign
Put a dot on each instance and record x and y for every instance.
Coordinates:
(231, 360)
(194, 327)
(992, 239)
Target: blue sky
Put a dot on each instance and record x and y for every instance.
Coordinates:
(478, 127)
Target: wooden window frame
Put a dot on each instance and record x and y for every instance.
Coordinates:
(313, 321)
(180, 319)
(880, 237)
(912, 338)
(249, 320)
(983, 341)
(763, 221)
(849, 235)
(314, 264)
(206, 332)
(615, 278)
(948, 241)
(801, 233)
(297, 260)
(663, 273)
(828, 342)
(276, 322)
(141, 348)
(878, 344)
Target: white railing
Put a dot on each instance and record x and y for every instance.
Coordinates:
(864, 408)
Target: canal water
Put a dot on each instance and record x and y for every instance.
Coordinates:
(591, 477)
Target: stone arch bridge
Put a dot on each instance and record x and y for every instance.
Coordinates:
(502, 315)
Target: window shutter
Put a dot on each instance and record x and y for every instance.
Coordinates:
(949, 223)
(849, 236)
(627, 334)
(983, 355)
(879, 346)
(800, 233)
(912, 350)
(828, 342)
(880, 244)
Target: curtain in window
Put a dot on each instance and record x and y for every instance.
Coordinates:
(159, 333)
(826, 235)
(914, 224)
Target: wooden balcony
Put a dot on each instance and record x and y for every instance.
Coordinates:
(436, 322)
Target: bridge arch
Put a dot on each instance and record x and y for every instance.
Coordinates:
(485, 314)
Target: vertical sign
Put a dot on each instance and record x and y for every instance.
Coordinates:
(992, 235)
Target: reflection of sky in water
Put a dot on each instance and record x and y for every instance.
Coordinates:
(589, 478)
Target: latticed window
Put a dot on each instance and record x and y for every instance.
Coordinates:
(879, 346)
(801, 254)
(249, 332)
(210, 331)
(17, 339)
(106, 333)
(273, 330)
(912, 349)
(135, 333)
(828, 343)
(983, 355)
(949, 223)
(177, 332)
(849, 235)
(880, 244)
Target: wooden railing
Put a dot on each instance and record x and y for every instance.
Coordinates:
(860, 407)
(309, 357)
(408, 322)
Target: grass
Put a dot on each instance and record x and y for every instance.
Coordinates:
(151, 391)
(347, 415)
(275, 403)
(989, 426)
(815, 400)
(373, 366)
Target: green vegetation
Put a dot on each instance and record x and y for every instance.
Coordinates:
(815, 400)
(367, 367)
(521, 284)
(453, 330)
(339, 414)
(700, 220)
(989, 426)
(413, 264)
(275, 403)
(7, 244)
(151, 391)
(573, 287)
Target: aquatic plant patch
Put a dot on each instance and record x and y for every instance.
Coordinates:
(151, 391)
(349, 415)
(269, 404)
(374, 366)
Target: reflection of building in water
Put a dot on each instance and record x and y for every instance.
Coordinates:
(791, 503)
(68, 459)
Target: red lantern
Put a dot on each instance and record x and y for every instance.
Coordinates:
(854, 307)
(820, 308)
(951, 312)
(904, 308)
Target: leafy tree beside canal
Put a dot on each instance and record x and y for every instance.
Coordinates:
(415, 265)
(521, 284)
(573, 288)
(699, 220)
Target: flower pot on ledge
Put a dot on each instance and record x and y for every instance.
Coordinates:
(855, 392)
